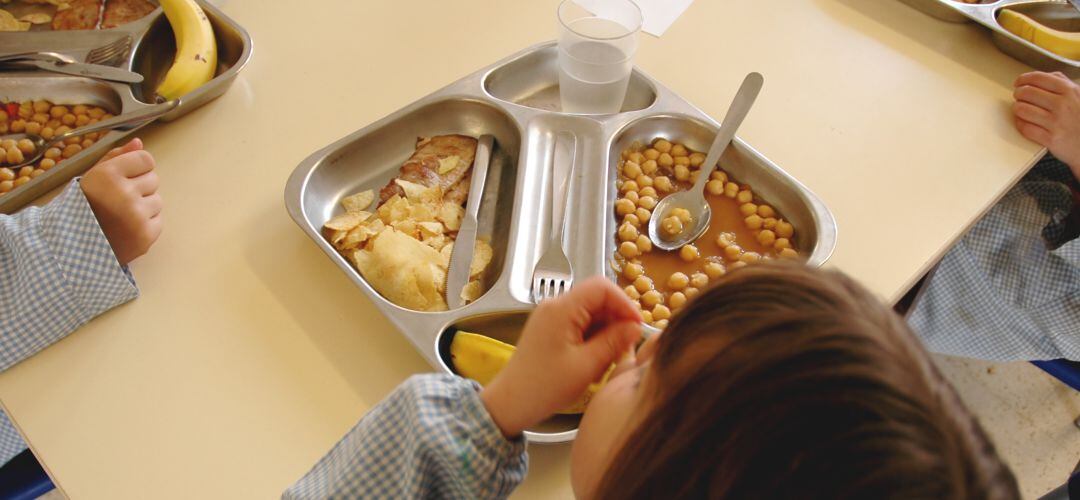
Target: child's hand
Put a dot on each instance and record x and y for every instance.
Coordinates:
(1047, 111)
(122, 191)
(568, 343)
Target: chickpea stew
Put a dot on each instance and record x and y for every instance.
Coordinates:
(46, 119)
(744, 229)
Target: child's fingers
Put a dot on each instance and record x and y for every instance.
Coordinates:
(134, 163)
(1034, 133)
(1033, 114)
(153, 205)
(609, 344)
(1045, 81)
(132, 145)
(147, 184)
(1036, 96)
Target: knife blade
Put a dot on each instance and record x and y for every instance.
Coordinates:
(97, 71)
(457, 274)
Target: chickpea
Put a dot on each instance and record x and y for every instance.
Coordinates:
(661, 324)
(745, 196)
(689, 253)
(637, 157)
(714, 270)
(644, 244)
(779, 244)
(36, 173)
(724, 240)
(691, 292)
(6, 174)
(766, 211)
(671, 226)
(628, 249)
(62, 129)
(54, 124)
(71, 150)
(81, 120)
(732, 252)
(784, 229)
(753, 221)
(731, 189)
(646, 316)
(651, 298)
(678, 281)
(677, 300)
(647, 202)
(96, 113)
(21, 180)
(651, 154)
(73, 140)
(68, 119)
(52, 153)
(627, 232)
(14, 156)
(631, 170)
(768, 222)
(644, 181)
(632, 292)
(633, 270)
(649, 191)
(48, 132)
(624, 206)
(694, 174)
(25, 112)
(682, 173)
(696, 159)
(750, 257)
(3, 127)
(41, 106)
(8, 144)
(682, 160)
(649, 167)
(789, 253)
(26, 171)
(632, 220)
(18, 126)
(666, 160)
(628, 186)
(80, 109)
(40, 118)
(661, 312)
(643, 215)
(719, 175)
(58, 111)
(682, 213)
(679, 150)
(766, 237)
(747, 209)
(632, 196)
(643, 284)
(737, 265)
(26, 146)
(714, 187)
(33, 128)
(3, 115)
(662, 145)
(46, 164)
(699, 280)
(663, 183)
(6, 186)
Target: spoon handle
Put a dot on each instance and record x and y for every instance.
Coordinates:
(740, 106)
(122, 122)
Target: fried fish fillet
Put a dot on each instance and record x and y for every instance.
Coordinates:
(81, 15)
(119, 12)
(433, 165)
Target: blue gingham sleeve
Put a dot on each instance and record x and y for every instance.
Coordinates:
(431, 438)
(57, 271)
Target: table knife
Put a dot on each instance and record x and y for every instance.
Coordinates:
(457, 275)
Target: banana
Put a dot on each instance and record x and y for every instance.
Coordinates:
(1062, 43)
(196, 49)
(482, 358)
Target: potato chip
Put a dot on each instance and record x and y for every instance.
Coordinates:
(413, 191)
(449, 163)
(346, 222)
(359, 201)
(360, 234)
(36, 18)
(472, 291)
(9, 23)
(482, 254)
(404, 270)
(451, 214)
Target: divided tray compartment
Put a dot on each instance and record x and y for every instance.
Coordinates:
(151, 54)
(516, 100)
(1057, 14)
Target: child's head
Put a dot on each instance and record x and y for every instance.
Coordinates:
(778, 382)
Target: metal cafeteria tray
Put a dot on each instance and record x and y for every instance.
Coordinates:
(1057, 14)
(516, 100)
(151, 54)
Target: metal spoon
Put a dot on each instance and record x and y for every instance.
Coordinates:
(694, 198)
(125, 121)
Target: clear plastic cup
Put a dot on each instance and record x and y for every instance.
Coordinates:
(596, 54)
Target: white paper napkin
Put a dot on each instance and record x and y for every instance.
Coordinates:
(658, 14)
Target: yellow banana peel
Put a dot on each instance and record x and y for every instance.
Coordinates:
(196, 49)
(1062, 43)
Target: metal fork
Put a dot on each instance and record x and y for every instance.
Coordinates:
(554, 274)
(105, 54)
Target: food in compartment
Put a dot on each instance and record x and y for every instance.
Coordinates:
(44, 118)
(744, 229)
(78, 15)
(481, 358)
(403, 247)
(195, 62)
(120, 12)
(71, 14)
(1063, 43)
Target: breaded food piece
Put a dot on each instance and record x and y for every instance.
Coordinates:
(120, 12)
(81, 15)
(444, 161)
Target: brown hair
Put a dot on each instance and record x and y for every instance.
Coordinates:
(787, 382)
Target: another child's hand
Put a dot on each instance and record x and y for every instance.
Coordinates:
(568, 343)
(122, 191)
(1047, 111)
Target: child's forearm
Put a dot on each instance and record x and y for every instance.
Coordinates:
(57, 271)
(431, 438)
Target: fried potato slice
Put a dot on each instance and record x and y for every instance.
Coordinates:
(404, 270)
(358, 202)
(346, 221)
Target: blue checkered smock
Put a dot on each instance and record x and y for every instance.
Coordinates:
(430, 438)
(57, 271)
(1010, 288)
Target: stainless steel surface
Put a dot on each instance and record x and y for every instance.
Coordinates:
(517, 111)
(36, 56)
(1075, 4)
(461, 257)
(145, 46)
(553, 274)
(1058, 14)
(97, 71)
(126, 121)
(693, 199)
